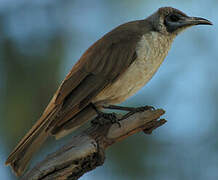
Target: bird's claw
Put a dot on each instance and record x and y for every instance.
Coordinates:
(106, 118)
(143, 108)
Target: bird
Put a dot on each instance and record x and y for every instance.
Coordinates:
(112, 69)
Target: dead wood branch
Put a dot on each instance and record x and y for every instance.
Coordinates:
(86, 151)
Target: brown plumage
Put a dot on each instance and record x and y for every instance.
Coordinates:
(99, 66)
(96, 74)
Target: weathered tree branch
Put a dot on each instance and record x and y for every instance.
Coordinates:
(86, 151)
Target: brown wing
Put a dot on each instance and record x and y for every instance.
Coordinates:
(100, 65)
(107, 58)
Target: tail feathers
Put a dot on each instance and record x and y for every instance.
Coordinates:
(20, 157)
(31, 142)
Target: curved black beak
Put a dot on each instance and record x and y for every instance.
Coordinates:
(185, 22)
(196, 21)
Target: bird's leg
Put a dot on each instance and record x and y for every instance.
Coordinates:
(131, 110)
(104, 118)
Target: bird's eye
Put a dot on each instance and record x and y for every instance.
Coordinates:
(173, 18)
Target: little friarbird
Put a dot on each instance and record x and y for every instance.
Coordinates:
(111, 70)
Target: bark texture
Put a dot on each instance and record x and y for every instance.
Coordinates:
(86, 151)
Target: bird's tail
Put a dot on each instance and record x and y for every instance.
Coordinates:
(23, 152)
(32, 141)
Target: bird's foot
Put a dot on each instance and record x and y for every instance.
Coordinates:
(105, 118)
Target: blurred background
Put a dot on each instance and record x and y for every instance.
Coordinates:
(41, 40)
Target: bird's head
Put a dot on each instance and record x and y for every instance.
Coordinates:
(171, 21)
